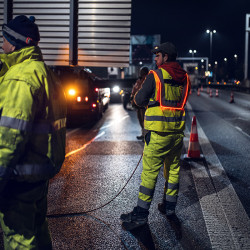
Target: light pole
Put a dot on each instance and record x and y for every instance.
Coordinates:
(192, 52)
(211, 32)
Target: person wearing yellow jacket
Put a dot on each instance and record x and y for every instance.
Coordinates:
(165, 93)
(32, 136)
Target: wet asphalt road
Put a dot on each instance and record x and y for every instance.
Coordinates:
(213, 206)
(101, 158)
(92, 176)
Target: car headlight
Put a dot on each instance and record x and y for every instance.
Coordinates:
(116, 89)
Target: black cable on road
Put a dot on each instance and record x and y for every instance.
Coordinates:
(94, 209)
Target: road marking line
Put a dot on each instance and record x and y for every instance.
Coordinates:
(226, 220)
(115, 122)
(99, 135)
(244, 133)
(85, 145)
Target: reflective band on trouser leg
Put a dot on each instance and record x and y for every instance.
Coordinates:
(172, 169)
(146, 195)
(153, 159)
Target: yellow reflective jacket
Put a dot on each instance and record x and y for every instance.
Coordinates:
(32, 118)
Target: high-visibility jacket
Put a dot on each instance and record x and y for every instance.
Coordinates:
(32, 117)
(165, 111)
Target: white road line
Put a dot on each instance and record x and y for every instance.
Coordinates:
(114, 123)
(226, 220)
(99, 135)
(244, 133)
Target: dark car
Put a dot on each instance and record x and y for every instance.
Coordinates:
(85, 97)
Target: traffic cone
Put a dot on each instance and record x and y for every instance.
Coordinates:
(194, 146)
(211, 94)
(232, 97)
(198, 92)
(217, 93)
(190, 92)
(201, 88)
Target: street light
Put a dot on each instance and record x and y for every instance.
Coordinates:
(192, 52)
(211, 32)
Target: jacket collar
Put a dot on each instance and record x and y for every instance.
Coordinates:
(19, 56)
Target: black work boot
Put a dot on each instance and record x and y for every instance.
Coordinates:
(137, 218)
(167, 207)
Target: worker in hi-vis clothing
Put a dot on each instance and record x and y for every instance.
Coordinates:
(165, 93)
(32, 136)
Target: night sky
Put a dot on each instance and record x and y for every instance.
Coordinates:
(184, 22)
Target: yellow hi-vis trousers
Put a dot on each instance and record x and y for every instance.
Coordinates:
(159, 149)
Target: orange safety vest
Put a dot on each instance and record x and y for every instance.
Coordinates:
(160, 96)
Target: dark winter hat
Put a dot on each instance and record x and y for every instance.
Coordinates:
(21, 32)
(166, 48)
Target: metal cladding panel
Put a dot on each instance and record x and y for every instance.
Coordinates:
(1, 23)
(103, 30)
(104, 33)
(52, 18)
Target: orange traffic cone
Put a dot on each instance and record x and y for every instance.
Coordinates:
(201, 88)
(194, 146)
(232, 97)
(198, 92)
(211, 94)
(217, 93)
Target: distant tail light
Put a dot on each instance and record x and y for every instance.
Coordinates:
(86, 99)
(78, 98)
(94, 105)
(96, 89)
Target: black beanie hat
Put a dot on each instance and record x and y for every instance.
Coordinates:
(21, 32)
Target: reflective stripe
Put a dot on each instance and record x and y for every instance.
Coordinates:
(143, 204)
(171, 103)
(147, 191)
(164, 119)
(170, 198)
(16, 35)
(168, 102)
(172, 186)
(42, 127)
(43, 170)
(15, 123)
